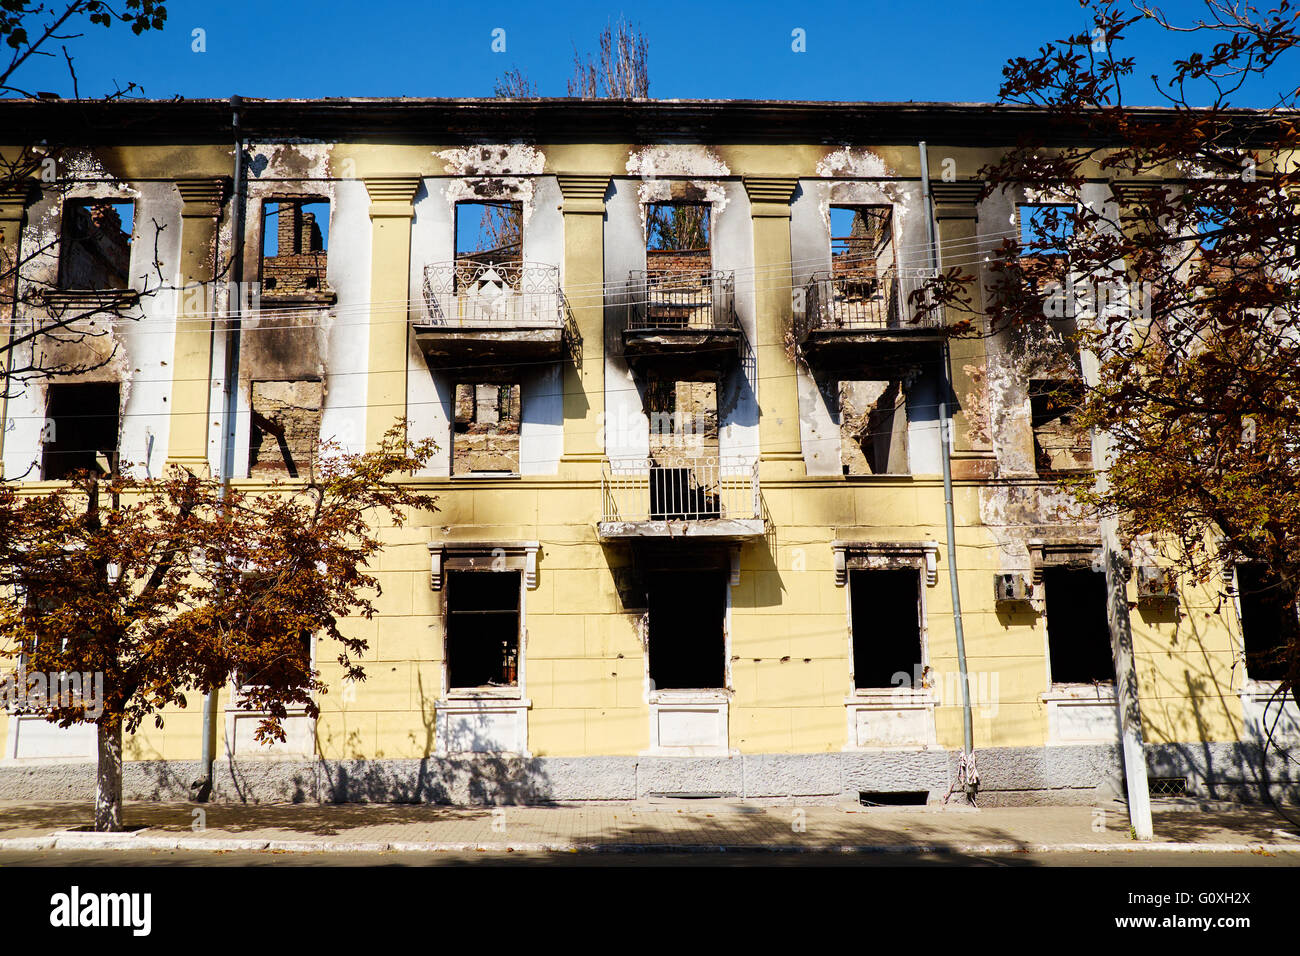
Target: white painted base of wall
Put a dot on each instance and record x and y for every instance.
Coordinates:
(482, 725)
(1265, 713)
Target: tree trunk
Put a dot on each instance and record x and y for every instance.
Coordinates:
(108, 779)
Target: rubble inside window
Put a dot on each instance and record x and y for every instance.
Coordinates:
(862, 243)
(482, 629)
(886, 619)
(1078, 635)
(81, 429)
(1263, 609)
(687, 645)
(873, 427)
(96, 251)
(295, 240)
(285, 429)
(485, 432)
(1058, 445)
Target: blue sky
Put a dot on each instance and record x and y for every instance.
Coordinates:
(863, 50)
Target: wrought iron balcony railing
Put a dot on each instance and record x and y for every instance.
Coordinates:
(468, 294)
(690, 301)
(688, 489)
(861, 299)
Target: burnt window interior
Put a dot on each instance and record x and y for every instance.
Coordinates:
(1264, 622)
(485, 434)
(684, 465)
(96, 251)
(862, 242)
(285, 429)
(886, 618)
(295, 246)
(873, 427)
(482, 628)
(687, 647)
(489, 234)
(1078, 635)
(1058, 445)
(81, 426)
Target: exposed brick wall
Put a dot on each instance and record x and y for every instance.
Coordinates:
(486, 429)
(299, 263)
(96, 251)
(286, 426)
(658, 260)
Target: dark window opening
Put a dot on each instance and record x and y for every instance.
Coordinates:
(482, 628)
(1078, 635)
(1058, 445)
(285, 429)
(295, 244)
(96, 245)
(677, 236)
(687, 647)
(1265, 608)
(886, 619)
(485, 431)
(80, 433)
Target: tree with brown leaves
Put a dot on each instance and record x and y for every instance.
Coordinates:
(157, 589)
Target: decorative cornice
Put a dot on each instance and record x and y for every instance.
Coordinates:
(770, 195)
(583, 187)
(203, 197)
(918, 554)
(490, 555)
(965, 192)
(392, 195)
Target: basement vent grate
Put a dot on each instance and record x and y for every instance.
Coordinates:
(1167, 786)
(893, 798)
(692, 796)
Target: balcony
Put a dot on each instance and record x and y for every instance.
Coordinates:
(859, 317)
(491, 313)
(698, 498)
(686, 318)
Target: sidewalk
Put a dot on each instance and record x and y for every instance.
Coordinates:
(642, 826)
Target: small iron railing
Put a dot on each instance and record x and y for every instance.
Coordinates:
(683, 489)
(863, 298)
(670, 299)
(469, 294)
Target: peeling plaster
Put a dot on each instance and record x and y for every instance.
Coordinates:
(494, 171)
(854, 162)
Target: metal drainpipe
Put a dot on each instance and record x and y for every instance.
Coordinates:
(234, 304)
(945, 434)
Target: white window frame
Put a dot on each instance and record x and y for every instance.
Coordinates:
(495, 716)
(889, 718)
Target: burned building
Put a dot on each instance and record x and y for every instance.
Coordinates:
(690, 449)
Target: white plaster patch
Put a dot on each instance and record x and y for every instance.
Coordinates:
(853, 162)
(494, 171)
(296, 159)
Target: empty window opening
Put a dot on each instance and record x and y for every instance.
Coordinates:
(687, 646)
(482, 629)
(1265, 613)
(862, 242)
(1046, 229)
(886, 620)
(295, 244)
(684, 466)
(489, 234)
(80, 432)
(1078, 636)
(96, 250)
(285, 429)
(485, 436)
(873, 427)
(893, 798)
(1058, 445)
(677, 237)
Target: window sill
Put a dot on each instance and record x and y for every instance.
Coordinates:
(690, 696)
(891, 696)
(1080, 693)
(487, 476)
(483, 693)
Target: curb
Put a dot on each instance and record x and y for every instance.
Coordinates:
(133, 841)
